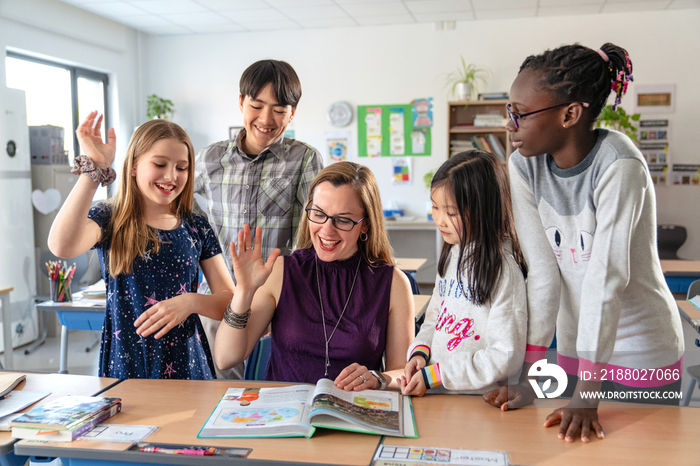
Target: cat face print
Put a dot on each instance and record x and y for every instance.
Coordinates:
(571, 237)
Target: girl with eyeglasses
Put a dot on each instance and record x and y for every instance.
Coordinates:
(585, 212)
(476, 323)
(336, 304)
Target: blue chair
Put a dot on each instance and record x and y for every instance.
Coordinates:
(693, 371)
(256, 363)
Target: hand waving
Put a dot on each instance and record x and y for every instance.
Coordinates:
(248, 267)
(90, 140)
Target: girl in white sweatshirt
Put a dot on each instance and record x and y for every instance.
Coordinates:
(476, 324)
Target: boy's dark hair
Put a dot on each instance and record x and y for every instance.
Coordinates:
(574, 73)
(285, 83)
(478, 184)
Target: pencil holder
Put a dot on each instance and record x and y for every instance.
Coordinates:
(60, 290)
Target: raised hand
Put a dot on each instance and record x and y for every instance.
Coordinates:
(90, 139)
(248, 267)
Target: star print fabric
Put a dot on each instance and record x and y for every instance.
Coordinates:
(183, 353)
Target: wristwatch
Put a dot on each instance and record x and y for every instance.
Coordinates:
(380, 379)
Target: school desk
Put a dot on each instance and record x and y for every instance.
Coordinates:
(421, 304)
(690, 313)
(6, 325)
(633, 435)
(79, 314)
(180, 408)
(680, 274)
(59, 385)
(410, 265)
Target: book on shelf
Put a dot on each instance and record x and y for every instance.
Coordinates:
(479, 143)
(490, 119)
(497, 147)
(68, 434)
(64, 413)
(297, 410)
(493, 96)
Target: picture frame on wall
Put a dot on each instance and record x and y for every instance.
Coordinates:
(654, 98)
(233, 131)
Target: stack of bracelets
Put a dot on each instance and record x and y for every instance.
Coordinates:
(236, 320)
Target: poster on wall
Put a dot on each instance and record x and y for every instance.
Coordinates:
(337, 146)
(654, 98)
(388, 131)
(373, 131)
(403, 173)
(422, 112)
(397, 145)
(686, 174)
(658, 173)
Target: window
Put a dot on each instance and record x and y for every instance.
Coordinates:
(59, 95)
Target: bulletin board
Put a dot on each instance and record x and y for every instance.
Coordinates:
(377, 137)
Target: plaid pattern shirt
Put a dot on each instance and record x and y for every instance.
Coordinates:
(269, 190)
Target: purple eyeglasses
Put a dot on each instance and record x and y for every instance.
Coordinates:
(517, 116)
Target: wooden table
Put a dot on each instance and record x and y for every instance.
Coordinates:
(633, 435)
(181, 407)
(59, 385)
(410, 265)
(680, 274)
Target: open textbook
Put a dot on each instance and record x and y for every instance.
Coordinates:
(297, 410)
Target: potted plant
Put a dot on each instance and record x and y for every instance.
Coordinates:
(159, 108)
(428, 178)
(619, 120)
(464, 81)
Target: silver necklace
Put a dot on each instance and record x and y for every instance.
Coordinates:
(323, 314)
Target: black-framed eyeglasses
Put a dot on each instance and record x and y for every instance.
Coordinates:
(518, 116)
(341, 223)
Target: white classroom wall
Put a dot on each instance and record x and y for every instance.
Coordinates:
(398, 63)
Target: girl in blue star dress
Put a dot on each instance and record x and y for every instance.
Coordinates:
(150, 245)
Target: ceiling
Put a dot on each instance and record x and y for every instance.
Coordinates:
(170, 17)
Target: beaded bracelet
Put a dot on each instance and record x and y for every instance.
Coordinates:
(83, 165)
(236, 320)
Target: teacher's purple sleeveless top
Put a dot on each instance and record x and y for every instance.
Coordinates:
(298, 350)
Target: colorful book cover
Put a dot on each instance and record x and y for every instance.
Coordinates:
(67, 435)
(64, 413)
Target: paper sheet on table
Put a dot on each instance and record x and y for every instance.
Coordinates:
(16, 401)
(98, 289)
(119, 433)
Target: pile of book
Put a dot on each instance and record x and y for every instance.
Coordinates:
(489, 119)
(66, 418)
(489, 143)
(458, 145)
(493, 96)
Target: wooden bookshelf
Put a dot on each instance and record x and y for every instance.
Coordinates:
(461, 127)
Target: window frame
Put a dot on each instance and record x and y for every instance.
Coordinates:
(75, 73)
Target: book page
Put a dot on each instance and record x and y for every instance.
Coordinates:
(375, 410)
(260, 411)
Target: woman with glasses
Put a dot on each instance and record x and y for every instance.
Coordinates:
(336, 305)
(585, 214)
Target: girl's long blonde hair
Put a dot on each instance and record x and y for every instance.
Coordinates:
(130, 234)
(376, 248)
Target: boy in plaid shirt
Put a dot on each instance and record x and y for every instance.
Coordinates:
(260, 178)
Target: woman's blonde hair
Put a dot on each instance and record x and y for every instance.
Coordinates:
(130, 234)
(376, 248)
